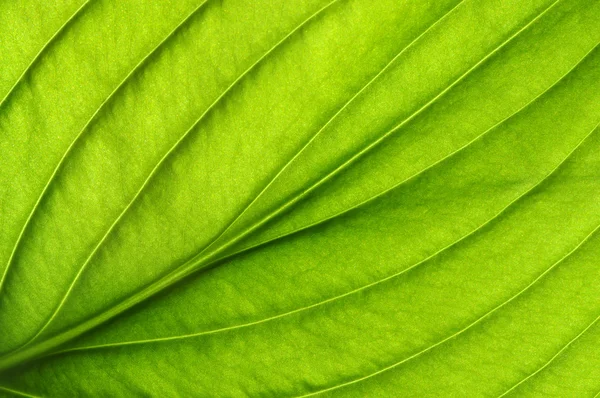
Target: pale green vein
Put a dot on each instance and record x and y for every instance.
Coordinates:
(190, 266)
(365, 150)
(357, 290)
(157, 167)
(460, 332)
(563, 349)
(331, 119)
(19, 393)
(417, 174)
(43, 49)
(66, 154)
(187, 268)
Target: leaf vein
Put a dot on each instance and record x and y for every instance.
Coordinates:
(46, 45)
(361, 288)
(190, 266)
(19, 393)
(69, 149)
(433, 165)
(135, 69)
(463, 330)
(559, 353)
(157, 167)
(329, 121)
(367, 149)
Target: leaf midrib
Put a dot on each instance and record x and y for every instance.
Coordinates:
(191, 265)
(410, 268)
(324, 127)
(411, 177)
(355, 157)
(9, 360)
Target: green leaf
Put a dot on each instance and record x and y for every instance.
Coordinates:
(298, 198)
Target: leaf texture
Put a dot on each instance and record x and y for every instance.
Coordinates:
(318, 197)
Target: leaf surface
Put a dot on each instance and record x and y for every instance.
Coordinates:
(303, 198)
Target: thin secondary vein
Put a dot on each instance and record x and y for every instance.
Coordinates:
(368, 148)
(331, 119)
(69, 149)
(359, 289)
(27, 69)
(184, 270)
(135, 69)
(19, 393)
(460, 332)
(44, 48)
(190, 266)
(563, 349)
(431, 166)
(161, 162)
